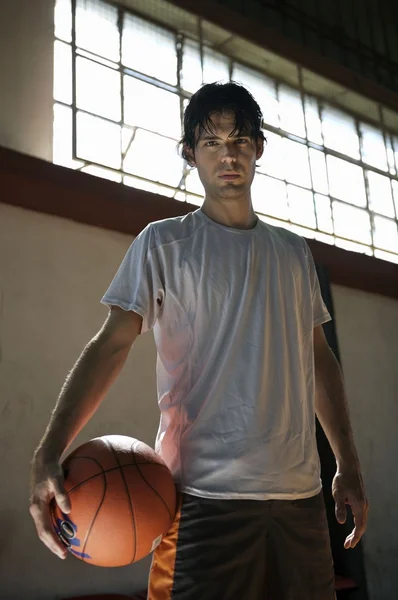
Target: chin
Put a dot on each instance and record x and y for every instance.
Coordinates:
(232, 188)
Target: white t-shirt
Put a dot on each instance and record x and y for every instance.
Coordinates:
(233, 313)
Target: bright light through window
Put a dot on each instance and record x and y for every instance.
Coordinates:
(324, 173)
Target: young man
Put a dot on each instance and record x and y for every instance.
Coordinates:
(237, 314)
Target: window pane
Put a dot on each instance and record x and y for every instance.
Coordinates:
(314, 126)
(274, 222)
(272, 161)
(395, 146)
(193, 183)
(324, 213)
(215, 66)
(353, 247)
(303, 231)
(62, 138)
(291, 111)
(346, 181)
(97, 59)
(191, 76)
(380, 196)
(151, 108)
(269, 196)
(184, 197)
(373, 148)
(318, 171)
(386, 256)
(128, 135)
(140, 159)
(98, 89)
(63, 72)
(385, 234)
(295, 157)
(395, 192)
(301, 206)
(339, 132)
(104, 173)
(97, 29)
(63, 20)
(148, 186)
(98, 140)
(352, 223)
(149, 49)
(263, 89)
(324, 237)
(390, 155)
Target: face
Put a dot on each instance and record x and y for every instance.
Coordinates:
(226, 163)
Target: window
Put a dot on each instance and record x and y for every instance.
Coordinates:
(121, 82)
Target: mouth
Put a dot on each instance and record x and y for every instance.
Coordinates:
(229, 176)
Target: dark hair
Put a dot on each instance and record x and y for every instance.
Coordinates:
(218, 98)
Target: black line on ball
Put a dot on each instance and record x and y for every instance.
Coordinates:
(98, 508)
(128, 496)
(150, 486)
(75, 487)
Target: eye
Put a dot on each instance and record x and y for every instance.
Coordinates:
(242, 141)
(211, 143)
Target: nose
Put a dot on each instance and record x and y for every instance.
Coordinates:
(228, 154)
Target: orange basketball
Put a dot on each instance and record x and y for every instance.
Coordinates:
(123, 500)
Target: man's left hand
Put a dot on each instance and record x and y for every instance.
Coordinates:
(348, 488)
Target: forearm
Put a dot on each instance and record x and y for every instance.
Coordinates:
(81, 395)
(332, 409)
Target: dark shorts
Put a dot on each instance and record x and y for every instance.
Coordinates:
(245, 550)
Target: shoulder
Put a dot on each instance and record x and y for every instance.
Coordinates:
(285, 239)
(174, 229)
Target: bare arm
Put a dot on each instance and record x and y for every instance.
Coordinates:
(90, 379)
(332, 411)
(85, 387)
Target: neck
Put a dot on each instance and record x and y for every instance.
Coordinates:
(231, 213)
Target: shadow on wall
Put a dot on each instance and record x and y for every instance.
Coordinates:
(8, 526)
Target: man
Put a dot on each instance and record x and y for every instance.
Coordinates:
(237, 314)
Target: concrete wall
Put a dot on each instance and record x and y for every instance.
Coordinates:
(26, 76)
(52, 275)
(367, 329)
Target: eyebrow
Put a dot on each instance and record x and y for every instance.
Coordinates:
(208, 137)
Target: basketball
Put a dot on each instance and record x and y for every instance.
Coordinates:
(123, 500)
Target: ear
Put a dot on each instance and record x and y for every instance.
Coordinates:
(259, 148)
(189, 153)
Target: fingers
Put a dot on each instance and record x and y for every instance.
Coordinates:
(360, 512)
(41, 515)
(61, 497)
(48, 484)
(341, 511)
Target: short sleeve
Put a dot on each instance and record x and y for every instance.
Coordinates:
(320, 312)
(138, 284)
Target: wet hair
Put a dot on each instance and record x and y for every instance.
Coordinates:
(220, 98)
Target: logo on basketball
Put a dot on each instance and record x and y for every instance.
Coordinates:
(67, 531)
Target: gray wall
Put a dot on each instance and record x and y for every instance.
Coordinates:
(52, 276)
(26, 67)
(367, 330)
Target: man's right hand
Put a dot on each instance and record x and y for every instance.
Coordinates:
(48, 483)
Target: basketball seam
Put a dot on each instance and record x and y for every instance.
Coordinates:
(153, 489)
(104, 471)
(98, 508)
(128, 496)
